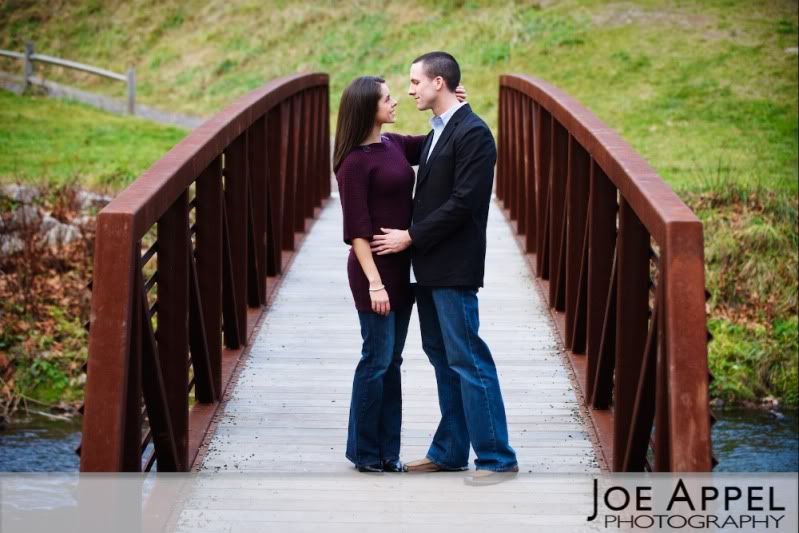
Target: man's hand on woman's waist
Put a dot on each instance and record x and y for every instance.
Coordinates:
(391, 242)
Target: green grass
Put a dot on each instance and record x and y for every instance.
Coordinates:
(705, 91)
(58, 142)
(687, 84)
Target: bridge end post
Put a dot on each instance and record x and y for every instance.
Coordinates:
(686, 347)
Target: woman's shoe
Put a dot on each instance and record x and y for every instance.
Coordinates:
(369, 468)
(392, 466)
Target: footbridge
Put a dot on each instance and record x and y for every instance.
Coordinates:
(223, 337)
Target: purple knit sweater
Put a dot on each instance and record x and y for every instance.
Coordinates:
(375, 183)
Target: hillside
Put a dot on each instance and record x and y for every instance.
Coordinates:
(705, 91)
(691, 85)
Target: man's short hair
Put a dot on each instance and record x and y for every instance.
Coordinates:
(441, 64)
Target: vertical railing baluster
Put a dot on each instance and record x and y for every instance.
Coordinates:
(257, 176)
(326, 159)
(601, 244)
(557, 184)
(307, 155)
(298, 158)
(172, 333)
(322, 171)
(529, 176)
(512, 149)
(288, 172)
(208, 256)
(662, 451)
(275, 177)
(577, 199)
(521, 201)
(643, 408)
(507, 194)
(516, 163)
(632, 307)
(131, 455)
(313, 151)
(542, 152)
(502, 142)
(236, 209)
(317, 157)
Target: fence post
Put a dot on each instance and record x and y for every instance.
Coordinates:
(27, 66)
(131, 91)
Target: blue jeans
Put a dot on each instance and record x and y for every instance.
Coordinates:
(472, 411)
(373, 435)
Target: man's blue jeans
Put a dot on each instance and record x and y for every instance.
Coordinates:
(472, 411)
(376, 406)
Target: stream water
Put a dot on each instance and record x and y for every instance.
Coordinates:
(743, 441)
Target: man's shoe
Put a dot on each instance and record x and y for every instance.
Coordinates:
(369, 468)
(392, 466)
(427, 465)
(490, 477)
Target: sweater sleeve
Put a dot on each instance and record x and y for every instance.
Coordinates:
(411, 144)
(353, 178)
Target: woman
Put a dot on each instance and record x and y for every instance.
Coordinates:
(375, 182)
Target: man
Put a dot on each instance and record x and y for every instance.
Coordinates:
(448, 245)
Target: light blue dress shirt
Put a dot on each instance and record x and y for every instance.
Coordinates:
(439, 122)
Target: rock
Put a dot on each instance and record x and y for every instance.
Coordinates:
(88, 199)
(773, 413)
(61, 234)
(48, 222)
(10, 244)
(24, 215)
(716, 403)
(20, 193)
(792, 50)
(770, 401)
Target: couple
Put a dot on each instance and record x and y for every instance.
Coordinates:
(441, 231)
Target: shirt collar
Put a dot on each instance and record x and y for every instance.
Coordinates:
(444, 117)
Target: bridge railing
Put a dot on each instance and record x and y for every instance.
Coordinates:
(184, 260)
(621, 260)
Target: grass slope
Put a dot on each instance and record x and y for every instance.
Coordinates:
(70, 142)
(705, 91)
(689, 84)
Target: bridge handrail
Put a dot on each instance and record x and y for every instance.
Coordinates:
(636, 344)
(222, 204)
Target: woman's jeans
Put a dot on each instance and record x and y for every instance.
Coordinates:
(376, 406)
(472, 411)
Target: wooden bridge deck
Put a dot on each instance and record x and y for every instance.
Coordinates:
(286, 416)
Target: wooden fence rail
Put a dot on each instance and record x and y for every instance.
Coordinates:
(184, 260)
(621, 261)
(28, 57)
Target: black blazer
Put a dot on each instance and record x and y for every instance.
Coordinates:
(450, 207)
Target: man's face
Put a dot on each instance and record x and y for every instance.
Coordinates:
(424, 89)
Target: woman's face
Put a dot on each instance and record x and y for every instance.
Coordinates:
(386, 107)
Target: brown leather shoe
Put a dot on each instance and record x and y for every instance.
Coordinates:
(489, 477)
(427, 465)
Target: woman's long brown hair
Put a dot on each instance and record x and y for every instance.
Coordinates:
(356, 115)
